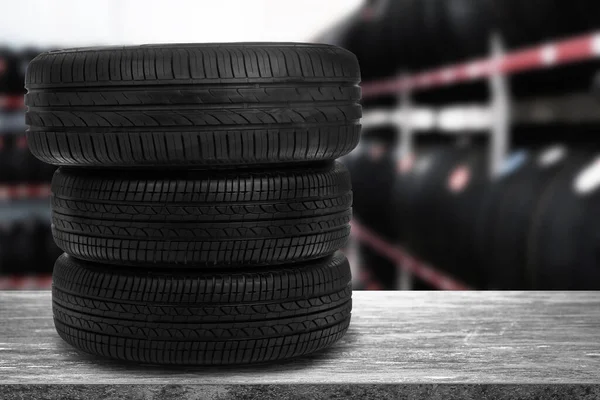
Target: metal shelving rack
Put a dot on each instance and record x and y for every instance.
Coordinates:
(17, 192)
(495, 69)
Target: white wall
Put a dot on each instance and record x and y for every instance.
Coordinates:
(63, 23)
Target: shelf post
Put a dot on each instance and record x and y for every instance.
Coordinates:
(499, 141)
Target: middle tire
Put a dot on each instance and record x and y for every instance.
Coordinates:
(200, 218)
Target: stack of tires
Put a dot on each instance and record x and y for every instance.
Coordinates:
(532, 226)
(198, 201)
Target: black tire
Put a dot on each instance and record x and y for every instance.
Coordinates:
(518, 198)
(432, 173)
(193, 105)
(563, 240)
(372, 170)
(199, 317)
(226, 218)
(452, 239)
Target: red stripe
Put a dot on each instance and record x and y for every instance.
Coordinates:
(521, 61)
(36, 282)
(11, 192)
(12, 102)
(577, 49)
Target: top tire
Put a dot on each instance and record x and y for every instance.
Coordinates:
(188, 105)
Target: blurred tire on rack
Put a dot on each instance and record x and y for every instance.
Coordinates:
(23, 58)
(382, 273)
(526, 23)
(518, 194)
(4, 248)
(486, 216)
(435, 199)
(462, 193)
(391, 37)
(5, 169)
(9, 78)
(23, 247)
(26, 247)
(23, 166)
(369, 37)
(563, 241)
(371, 168)
(432, 171)
(404, 185)
(48, 250)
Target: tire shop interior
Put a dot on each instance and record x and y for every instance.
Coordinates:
(479, 161)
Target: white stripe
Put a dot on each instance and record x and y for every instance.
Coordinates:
(596, 44)
(549, 55)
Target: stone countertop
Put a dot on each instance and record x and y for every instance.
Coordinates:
(415, 340)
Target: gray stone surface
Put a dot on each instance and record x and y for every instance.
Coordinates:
(395, 338)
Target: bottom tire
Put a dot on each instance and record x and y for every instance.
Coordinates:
(201, 317)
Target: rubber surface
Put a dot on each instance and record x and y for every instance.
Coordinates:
(193, 317)
(193, 105)
(562, 249)
(431, 173)
(452, 242)
(372, 172)
(518, 198)
(201, 218)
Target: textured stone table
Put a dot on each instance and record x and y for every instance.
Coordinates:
(437, 344)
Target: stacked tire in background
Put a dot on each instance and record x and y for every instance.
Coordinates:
(371, 167)
(198, 201)
(17, 165)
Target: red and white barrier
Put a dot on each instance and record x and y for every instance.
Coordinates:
(581, 48)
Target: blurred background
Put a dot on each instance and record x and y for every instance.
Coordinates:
(479, 163)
